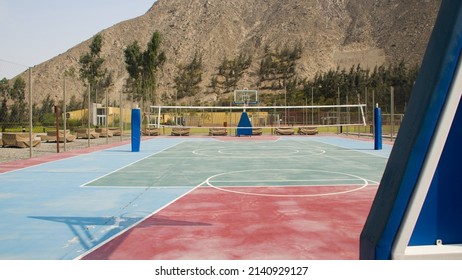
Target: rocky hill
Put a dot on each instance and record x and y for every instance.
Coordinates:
(332, 33)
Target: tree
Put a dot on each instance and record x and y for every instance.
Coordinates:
(18, 91)
(4, 115)
(142, 67)
(189, 77)
(74, 104)
(134, 67)
(91, 66)
(357, 79)
(4, 87)
(19, 108)
(46, 114)
(278, 68)
(4, 95)
(230, 72)
(153, 59)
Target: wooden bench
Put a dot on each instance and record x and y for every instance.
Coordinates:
(103, 132)
(180, 131)
(83, 133)
(307, 130)
(152, 131)
(51, 136)
(285, 131)
(257, 131)
(19, 139)
(116, 131)
(219, 131)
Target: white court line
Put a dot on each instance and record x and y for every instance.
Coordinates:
(212, 152)
(137, 223)
(365, 183)
(107, 174)
(288, 180)
(140, 187)
(290, 186)
(238, 150)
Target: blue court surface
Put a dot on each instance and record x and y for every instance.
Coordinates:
(65, 208)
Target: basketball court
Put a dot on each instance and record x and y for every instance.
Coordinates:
(259, 197)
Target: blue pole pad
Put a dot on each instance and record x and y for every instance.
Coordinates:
(136, 130)
(377, 129)
(245, 126)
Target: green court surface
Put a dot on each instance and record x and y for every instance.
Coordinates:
(284, 162)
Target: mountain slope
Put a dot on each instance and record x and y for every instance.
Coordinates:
(332, 33)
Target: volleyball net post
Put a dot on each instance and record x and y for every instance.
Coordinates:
(377, 128)
(136, 129)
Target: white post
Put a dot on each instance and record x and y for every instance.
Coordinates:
(30, 113)
(392, 112)
(338, 110)
(285, 101)
(89, 109)
(107, 120)
(158, 118)
(359, 113)
(65, 111)
(312, 109)
(121, 123)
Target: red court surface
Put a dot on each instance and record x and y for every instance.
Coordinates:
(24, 163)
(210, 223)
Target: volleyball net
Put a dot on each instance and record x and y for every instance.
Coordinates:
(261, 117)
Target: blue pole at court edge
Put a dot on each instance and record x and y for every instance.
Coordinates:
(136, 130)
(377, 128)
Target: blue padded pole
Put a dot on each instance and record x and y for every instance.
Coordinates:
(136, 130)
(377, 128)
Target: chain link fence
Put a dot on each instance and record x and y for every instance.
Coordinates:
(54, 125)
(76, 120)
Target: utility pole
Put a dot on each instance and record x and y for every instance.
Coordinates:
(89, 109)
(30, 113)
(65, 112)
(57, 126)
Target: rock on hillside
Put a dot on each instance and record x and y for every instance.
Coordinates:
(332, 33)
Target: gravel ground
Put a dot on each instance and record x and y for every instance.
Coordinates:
(11, 153)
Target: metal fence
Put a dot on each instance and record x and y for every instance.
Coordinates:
(65, 123)
(54, 125)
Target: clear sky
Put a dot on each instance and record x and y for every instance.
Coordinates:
(33, 31)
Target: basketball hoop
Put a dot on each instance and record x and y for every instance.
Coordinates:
(245, 97)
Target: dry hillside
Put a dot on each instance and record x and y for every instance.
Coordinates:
(332, 33)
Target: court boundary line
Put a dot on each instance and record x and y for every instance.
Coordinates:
(368, 152)
(139, 187)
(137, 223)
(125, 166)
